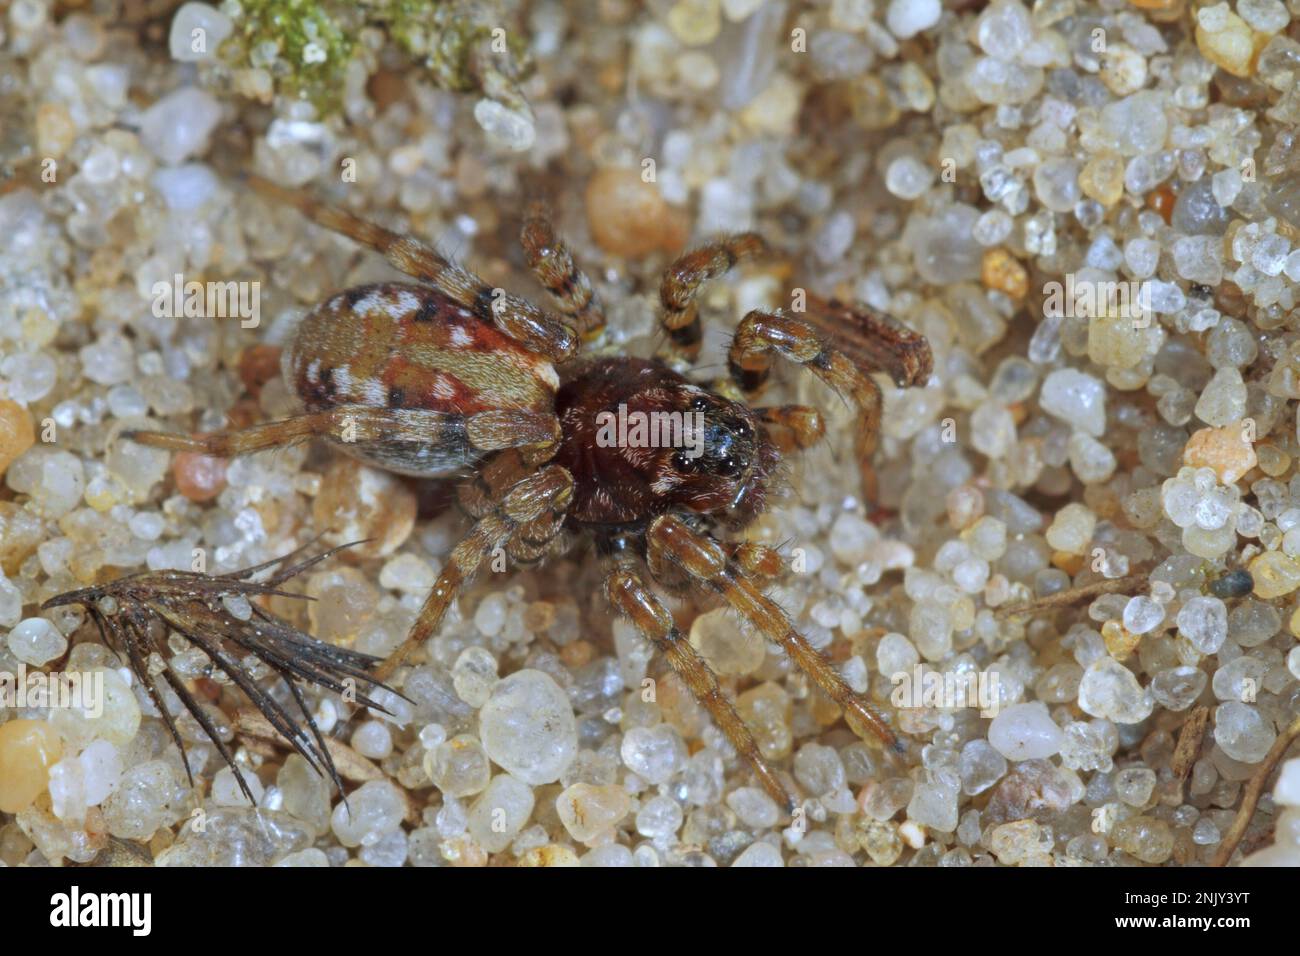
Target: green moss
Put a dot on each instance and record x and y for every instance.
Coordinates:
(312, 42)
(457, 32)
(305, 45)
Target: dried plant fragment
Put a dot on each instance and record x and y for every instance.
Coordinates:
(1073, 596)
(218, 615)
(1190, 737)
(1250, 797)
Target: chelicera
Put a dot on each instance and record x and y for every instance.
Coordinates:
(448, 374)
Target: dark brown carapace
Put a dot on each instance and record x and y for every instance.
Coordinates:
(450, 375)
(641, 441)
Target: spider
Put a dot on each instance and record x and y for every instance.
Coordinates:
(432, 378)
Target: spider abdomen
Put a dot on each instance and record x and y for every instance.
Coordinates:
(403, 346)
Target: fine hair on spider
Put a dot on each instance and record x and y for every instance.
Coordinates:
(448, 374)
(218, 614)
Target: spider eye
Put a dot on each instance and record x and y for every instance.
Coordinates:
(684, 462)
(729, 467)
(699, 404)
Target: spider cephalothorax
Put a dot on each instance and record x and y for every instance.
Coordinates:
(640, 441)
(450, 376)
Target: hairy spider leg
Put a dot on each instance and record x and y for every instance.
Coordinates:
(792, 427)
(670, 542)
(682, 280)
(552, 263)
(540, 331)
(885, 346)
(365, 426)
(633, 599)
(533, 502)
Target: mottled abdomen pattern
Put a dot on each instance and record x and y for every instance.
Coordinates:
(401, 346)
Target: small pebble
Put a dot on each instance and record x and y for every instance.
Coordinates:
(587, 811)
(1225, 39)
(500, 812)
(177, 126)
(1110, 690)
(360, 503)
(1025, 732)
(474, 675)
(729, 648)
(1274, 574)
(373, 810)
(1225, 450)
(197, 31)
(198, 477)
(16, 433)
(527, 727)
(28, 749)
(36, 641)
(1243, 732)
(907, 18)
(373, 739)
(459, 767)
(1001, 271)
(629, 217)
(1076, 398)
(654, 753)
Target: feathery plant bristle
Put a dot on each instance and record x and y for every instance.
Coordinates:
(135, 613)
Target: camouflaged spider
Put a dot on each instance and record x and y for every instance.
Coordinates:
(427, 380)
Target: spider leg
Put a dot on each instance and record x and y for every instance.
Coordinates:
(531, 504)
(671, 544)
(408, 440)
(634, 600)
(482, 493)
(682, 281)
(521, 320)
(874, 343)
(552, 263)
(792, 427)
(759, 562)
(480, 497)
